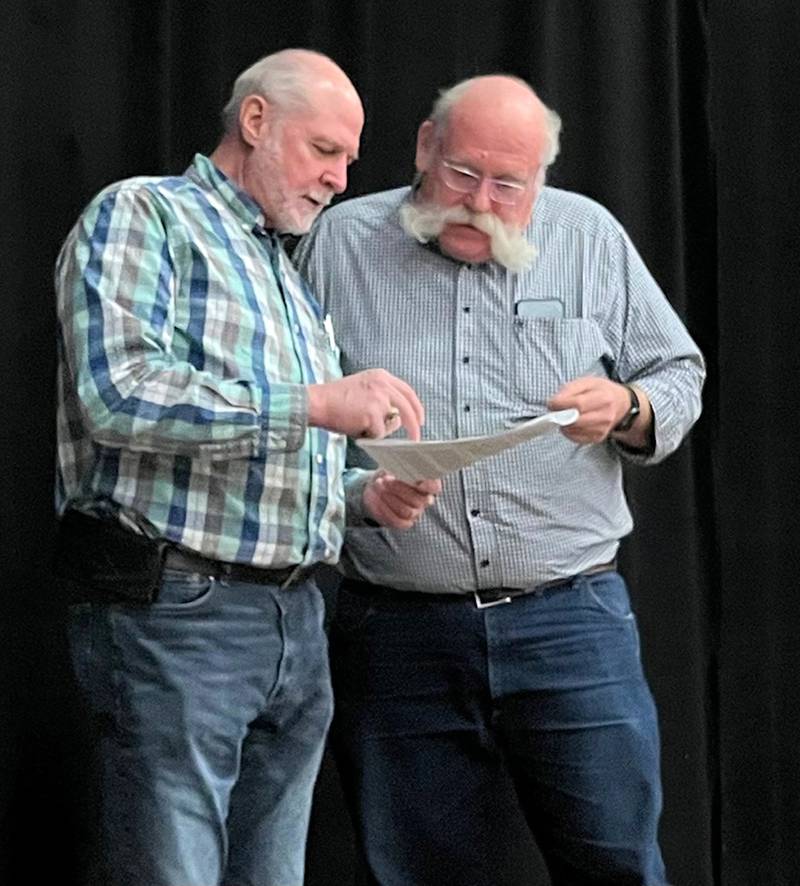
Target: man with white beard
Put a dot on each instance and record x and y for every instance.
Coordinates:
(495, 639)
(201, 427)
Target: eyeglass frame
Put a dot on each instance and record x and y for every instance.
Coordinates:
(518, 188)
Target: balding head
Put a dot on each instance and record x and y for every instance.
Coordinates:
(500, 96)
(292, 80)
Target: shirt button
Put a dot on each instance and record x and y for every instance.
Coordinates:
(475, 512)
(319, 458)
(328, 552)
(466, 309)
(484, 563)
(297, 328)
(465, 359)
(466, 409)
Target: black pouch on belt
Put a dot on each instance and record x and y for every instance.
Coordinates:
(101, 561)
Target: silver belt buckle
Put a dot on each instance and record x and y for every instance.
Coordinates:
(479, 604)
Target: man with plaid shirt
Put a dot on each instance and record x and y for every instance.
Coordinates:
(201, 430)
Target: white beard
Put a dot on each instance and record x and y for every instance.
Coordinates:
(289, 212)
(508, 246)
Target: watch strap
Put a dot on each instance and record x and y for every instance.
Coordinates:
(627, 420)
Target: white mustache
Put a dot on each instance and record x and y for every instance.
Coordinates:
(507, 243)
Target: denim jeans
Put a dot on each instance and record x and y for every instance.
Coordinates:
(211, 708)
(437, 702)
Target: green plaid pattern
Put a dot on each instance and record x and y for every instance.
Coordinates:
(186, 340)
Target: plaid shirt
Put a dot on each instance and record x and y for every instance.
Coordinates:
(186, 340)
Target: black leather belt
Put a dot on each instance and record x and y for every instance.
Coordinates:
(482, 599)
(496, 596)
(183, 560)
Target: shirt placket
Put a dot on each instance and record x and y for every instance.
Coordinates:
(467, 353)
(305, 342)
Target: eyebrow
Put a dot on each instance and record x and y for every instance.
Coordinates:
(510, 177)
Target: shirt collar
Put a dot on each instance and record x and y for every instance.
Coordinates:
(209, 177)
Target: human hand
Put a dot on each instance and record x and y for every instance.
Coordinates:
(371, 403)
(602, 404)
(396, 504)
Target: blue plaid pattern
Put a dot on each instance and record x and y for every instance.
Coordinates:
(186, 340)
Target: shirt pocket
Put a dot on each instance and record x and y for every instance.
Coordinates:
(549, 352)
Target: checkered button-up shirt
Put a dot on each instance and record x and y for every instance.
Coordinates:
(484, 348)
(186, 340)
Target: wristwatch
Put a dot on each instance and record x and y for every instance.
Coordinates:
(627, 420)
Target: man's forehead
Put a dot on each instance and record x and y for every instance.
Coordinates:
(480, 142)
(498, 119)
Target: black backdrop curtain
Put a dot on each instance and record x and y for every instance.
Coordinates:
(682, 118)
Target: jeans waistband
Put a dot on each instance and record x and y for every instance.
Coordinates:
(183, 560)
(102, 561)
(482, 599)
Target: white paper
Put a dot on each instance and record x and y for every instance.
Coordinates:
(431, 459)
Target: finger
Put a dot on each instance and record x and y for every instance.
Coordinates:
(404, 398)
(390, 512)
(586, 435)
(408, 495)
(426, 487)
(408, 415)
(401, 510)
(575, 392)
(378, 426)
(386, 517)
(392, 420)
(402, 499)
(404, 388)
(433, 487)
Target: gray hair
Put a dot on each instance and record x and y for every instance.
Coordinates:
(282, 78)
(449, 98)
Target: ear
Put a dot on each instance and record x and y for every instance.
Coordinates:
(426, 146)
(254, 118)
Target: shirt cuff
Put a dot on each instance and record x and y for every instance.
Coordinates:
(666, 432)
(284, 418)
(356, 516)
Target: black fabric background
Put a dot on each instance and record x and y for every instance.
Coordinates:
(682, 118)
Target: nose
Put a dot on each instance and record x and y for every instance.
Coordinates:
(334, 175)
(479, 200)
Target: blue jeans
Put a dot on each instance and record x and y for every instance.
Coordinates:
(211, 707)
(438, 702)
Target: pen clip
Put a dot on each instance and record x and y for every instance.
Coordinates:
(327, 325)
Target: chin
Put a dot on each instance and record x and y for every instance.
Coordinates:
(300, 228)
(296, 225)
(468, 249)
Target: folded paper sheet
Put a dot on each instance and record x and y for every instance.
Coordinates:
(430, 459)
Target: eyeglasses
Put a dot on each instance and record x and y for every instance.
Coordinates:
(465, 181)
